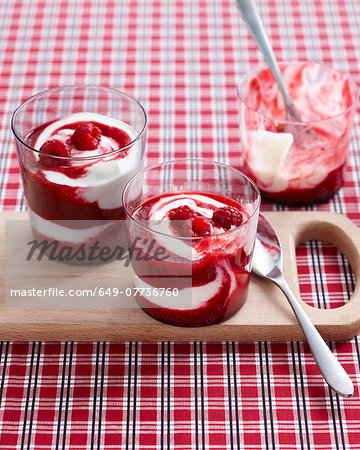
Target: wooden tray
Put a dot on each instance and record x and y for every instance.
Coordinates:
(266, 314)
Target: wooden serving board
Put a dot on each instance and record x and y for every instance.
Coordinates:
(266, 315)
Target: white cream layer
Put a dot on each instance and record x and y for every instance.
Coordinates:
(63, 233)
(104, 178)
(267, 154)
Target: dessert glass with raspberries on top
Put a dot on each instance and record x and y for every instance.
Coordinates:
(197, 221)
(77, 147)
(296, 163)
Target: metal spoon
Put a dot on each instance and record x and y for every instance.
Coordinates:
(252, 19)
(267, 263)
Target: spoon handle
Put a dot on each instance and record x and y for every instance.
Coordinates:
(252, 19)
(329, 366)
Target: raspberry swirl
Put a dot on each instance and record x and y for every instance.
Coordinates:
(206, 240)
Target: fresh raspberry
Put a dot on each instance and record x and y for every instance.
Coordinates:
(200, 226)
(196, 227)
(181, 213)
(54, 147)
(226, 217)
(86, 136)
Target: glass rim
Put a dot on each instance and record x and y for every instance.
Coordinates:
(73, 86)
(188, 160)
(263, 65)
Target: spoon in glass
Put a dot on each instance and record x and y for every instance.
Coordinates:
(267, 263)
(254, 23)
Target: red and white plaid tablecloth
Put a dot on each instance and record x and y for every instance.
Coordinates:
(181, 59)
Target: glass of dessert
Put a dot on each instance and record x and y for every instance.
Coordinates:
(302, 162)
(77, 147)
(191, 226)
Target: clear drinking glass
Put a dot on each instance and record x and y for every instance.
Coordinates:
(296, 162)
(73, 188)
(191, 270)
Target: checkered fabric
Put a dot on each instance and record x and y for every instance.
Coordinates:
(181, 59)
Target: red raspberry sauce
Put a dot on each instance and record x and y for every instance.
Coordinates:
(323, 191)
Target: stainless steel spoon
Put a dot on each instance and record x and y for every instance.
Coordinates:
(267, 263)
(252, 19)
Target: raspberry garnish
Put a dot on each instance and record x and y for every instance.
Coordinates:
(196, 227)
(181, 213)
(226, 217)
(86, 136)
(200, 226)
(54, 147)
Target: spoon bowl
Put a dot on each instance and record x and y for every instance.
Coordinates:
(267, 263)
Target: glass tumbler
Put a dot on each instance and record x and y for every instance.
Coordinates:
(77, 147)
(191, 226)
(296, 162)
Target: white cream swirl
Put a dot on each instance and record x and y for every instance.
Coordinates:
(104, 178)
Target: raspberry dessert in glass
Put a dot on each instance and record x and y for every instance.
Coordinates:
(297, 163)
(77, 147)
(197, 222)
